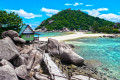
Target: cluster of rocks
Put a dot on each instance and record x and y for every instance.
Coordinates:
(110, 36)
(20, 61)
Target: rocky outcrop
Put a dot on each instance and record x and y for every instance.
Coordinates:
(64, 29)
(19, 40)
(8, 49)
(7, 73)
(14, 36)
(51, 21)
(43, 29)
(10, 33)
(65, 52)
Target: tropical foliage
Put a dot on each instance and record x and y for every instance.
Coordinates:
(9, 21)
(78, 20)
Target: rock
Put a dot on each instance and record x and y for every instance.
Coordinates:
(65, 52)
(7, 73)
(10, 33)
(30, 61)
(35, 58)
(18, 61)
(4, 62)
(49, 22)
(8, 49)
(93, 63)
(37, 68)
(21, 71)
(67, 55)
(41, 76)
(64, 29)
(81, 77)
(26, 56)
(19, 40)
(71, 45)
(26, 49)
(53, 46)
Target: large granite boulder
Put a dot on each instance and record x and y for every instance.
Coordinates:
(22, 72)
(65, 52)
(19, 40)
(67, 55)
(8, 49)
(7, 73)
(53, 46)
(34, 59)
(10, 33)
(4, 62)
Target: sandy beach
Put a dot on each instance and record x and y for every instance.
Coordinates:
(72, 36)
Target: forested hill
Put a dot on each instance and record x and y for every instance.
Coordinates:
(73, 19)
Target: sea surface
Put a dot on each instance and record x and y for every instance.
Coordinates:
(104, 50)
(50, 34)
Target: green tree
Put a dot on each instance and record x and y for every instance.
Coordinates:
(95, 26)
(10, 21)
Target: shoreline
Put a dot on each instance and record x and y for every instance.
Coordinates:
(75, 35)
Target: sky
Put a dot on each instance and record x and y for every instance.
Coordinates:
(33, 12)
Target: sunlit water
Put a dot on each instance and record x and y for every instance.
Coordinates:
(105, 50)
(49, 34)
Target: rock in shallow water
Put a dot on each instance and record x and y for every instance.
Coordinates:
(7, 73)
(93, 63)
(65, 52)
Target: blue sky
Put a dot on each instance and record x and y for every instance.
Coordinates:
(33, 12)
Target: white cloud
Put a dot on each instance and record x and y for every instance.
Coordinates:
(49, 12)
(96, 12)
(67, 4)
(109, 16)
(88, 5)
(75, 4)
(24, 14)
(81, 3)
(49, 15)
(102, 9)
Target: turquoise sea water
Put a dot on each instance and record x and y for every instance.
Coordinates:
(104, 50)
(48, 34)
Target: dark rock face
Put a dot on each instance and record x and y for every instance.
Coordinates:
(7, 73)
(66, 53)
(19, 40)
(8, 49)
(10, 34)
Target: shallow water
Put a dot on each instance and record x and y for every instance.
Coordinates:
(105, 50)
(49, 34)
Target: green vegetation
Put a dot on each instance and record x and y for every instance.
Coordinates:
(9, 21)
(78, 20)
